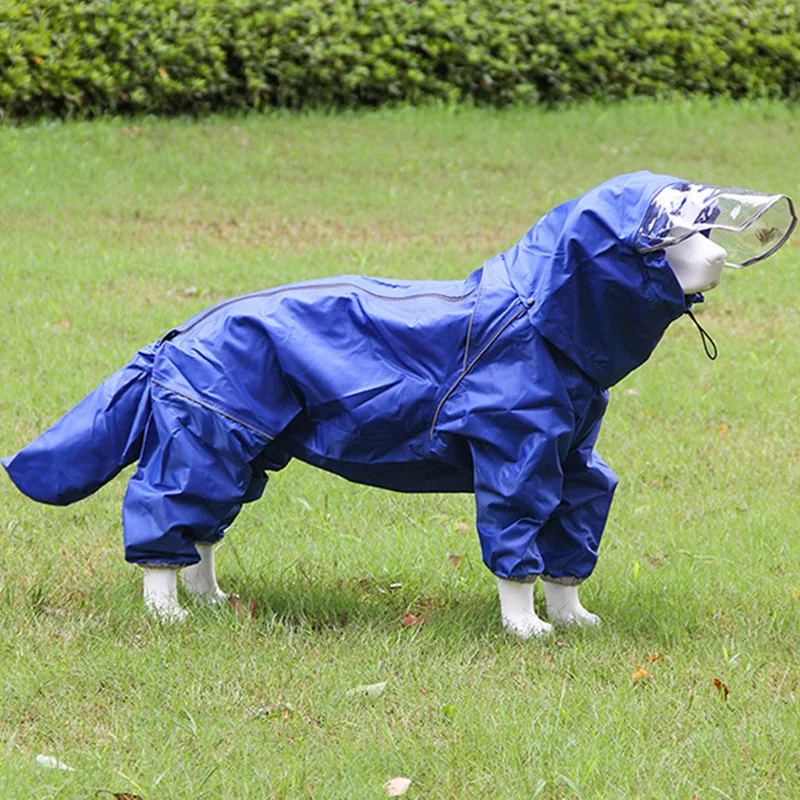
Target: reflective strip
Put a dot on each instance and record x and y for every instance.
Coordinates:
(337, 285)
(209, 407)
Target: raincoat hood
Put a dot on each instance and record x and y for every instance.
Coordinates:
(591, 291)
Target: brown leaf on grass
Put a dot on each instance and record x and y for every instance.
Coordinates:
(409, 620)
(461, 527)
(722, 689)
(119, 795)
(235, 602)
(61, 327)
(794, 593)
(454, 559)
(655, 657)
(640, 674)
(397, 786)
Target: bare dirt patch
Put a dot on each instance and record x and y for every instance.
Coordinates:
(277, 232)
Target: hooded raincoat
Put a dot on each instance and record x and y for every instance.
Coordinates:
(494, 385)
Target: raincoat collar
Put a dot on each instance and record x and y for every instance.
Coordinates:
(590, 291)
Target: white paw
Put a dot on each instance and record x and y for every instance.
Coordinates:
(526, 625)
(574, 616)
(564, 607)
(160, 592)
(213, 597)
(165, 611)
(200, 579)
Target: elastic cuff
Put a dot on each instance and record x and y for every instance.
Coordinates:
(565, 580)
(523, 579)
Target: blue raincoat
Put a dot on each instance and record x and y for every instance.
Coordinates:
(494, 385)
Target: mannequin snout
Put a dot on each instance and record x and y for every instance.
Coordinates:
(697, 263)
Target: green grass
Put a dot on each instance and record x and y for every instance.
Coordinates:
(112, 232)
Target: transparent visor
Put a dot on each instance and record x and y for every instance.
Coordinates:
(750, 225)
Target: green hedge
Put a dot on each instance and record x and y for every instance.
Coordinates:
(90, 57)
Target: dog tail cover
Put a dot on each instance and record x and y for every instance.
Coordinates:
(91, 443)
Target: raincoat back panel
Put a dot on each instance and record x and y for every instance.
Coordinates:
(352, 367)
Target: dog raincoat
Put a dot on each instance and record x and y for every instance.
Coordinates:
(494, 385)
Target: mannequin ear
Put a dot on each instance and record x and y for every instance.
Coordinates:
(697, 263)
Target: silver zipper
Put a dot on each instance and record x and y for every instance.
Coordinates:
(467, 369)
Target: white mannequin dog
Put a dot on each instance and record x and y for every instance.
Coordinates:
(697, 263)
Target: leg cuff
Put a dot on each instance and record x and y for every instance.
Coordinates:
(564, 580)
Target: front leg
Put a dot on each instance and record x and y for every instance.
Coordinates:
(516, 609)
(564, 607)
(200, 579)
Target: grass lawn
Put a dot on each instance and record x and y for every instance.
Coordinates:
(113, 232)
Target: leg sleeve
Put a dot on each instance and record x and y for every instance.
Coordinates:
(258, 482)
(195, 471)
(569, 541)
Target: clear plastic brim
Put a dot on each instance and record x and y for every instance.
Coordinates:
(750, 225)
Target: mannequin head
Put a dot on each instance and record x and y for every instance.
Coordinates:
(697, 263)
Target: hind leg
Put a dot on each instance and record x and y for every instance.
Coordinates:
(200, 579)
(195, 470)
(160, 592)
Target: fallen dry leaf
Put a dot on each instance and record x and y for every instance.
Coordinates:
(119, 795)
(655, 657)
(640, 674)
(722, 689)
(409, 620)
(462, 527)
(397, 786)
(61, 327)
(794, 592)
(454, 559)
(235, 602)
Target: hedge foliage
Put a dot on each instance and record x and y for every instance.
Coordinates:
(89, 57)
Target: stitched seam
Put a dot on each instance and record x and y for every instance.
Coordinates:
(469, 368)
(216, 410)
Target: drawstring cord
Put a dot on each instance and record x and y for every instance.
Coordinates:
(709, 345)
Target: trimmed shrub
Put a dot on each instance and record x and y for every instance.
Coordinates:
(88, 57)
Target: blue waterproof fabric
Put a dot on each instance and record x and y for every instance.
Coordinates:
(494, 385)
